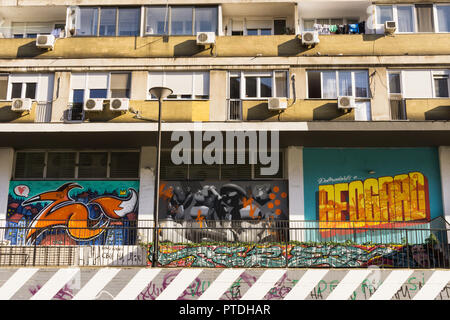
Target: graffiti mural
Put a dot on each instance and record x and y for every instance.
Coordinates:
(75, 212)
(296, 256)
(372, 187)
(237, 207)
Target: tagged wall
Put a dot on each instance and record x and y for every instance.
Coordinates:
(97, 212)
(373, 186)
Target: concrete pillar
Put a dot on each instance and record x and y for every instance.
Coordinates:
(218, 95)
(299, 83)
(379, 103)
(296, 191)
(146, 192)
(444, 160)
(6, 167)
(61, 94)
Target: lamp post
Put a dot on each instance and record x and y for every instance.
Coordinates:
(160, 93)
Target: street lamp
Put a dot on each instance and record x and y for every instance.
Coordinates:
(160, 93)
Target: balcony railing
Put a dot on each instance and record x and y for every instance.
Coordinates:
(235, 109)
(242, 243)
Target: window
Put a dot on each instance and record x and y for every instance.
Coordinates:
(424, 15)
(180, 20)
(100, 85)
(185, 85)
(108, 21)
(443, 16)
(405, 16)
(170, 171)
(440, 86)
(256, 85)
(120, 85)
(3, 86)
(420, 84)
(76, 165)
(23, 90)
(384, 13)
(330, 84)
(259, 27)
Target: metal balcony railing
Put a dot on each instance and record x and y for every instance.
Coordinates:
(235, 109)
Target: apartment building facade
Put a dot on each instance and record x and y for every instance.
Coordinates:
(357, 92)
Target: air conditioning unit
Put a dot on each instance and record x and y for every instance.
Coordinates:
(20, 105)
(45, 41)
(310, 37)
(204, 38)
(390, 27)
(277, 103)
(119, 104)
(346, 102)
(93, 105)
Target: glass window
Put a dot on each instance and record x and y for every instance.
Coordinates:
(76, 112)
(3, 86)
(181, 20)
(157, 20)
(405, 19)
(266, 32)
(361, 84)
(206, 19)
(87, 22)
(92, 165)
(425, 21)
(251, 87)
(308, 25)
(61, 165)
(235, 87)
(281, 83)
(314, 87)
(394, 83)
(98, 93)
(443, 14)
(107, 22)
(204, 172)
(16, 91)
(124, 165)
(384, 13)
(30, 91)
(266, 87)
(129, 21)
(329, 85)
(279, 27)
(345, 83)
(29, 165)
(252, 32)
(120, 85)
(441, 86)
(279, 174)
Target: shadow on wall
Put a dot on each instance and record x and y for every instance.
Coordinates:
(7, 115)
(292, 47)
(29, 50)
(188, 48)
(260, 112)
(330, 111)
(438, 113)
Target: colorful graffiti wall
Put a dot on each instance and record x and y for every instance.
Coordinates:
(374, 187)
(296, 256)
(72, 212)
(212, 200)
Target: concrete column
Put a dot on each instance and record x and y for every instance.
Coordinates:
(379, 102)
(61, 94)
(218, 95)
(299, 83)
(296, 191)
(6, 167)
(147, 192)
(444, 160)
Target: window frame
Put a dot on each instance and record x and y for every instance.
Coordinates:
(436, 17)
(367, 97)
(77, 159)
(179, 97)
(242, 74)
(169, 19)
(108, 88)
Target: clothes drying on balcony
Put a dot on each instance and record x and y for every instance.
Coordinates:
(352, 28)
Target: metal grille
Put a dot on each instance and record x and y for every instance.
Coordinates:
(234, 109)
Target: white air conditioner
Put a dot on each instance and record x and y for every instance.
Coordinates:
(277, 103)
(119, 104)
(310, 37)
(390, 27)
(45, 41)
(204, 38)
(20, 105)
(346, 102)
(93, 105)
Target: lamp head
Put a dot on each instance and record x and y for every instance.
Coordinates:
(161, 92)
